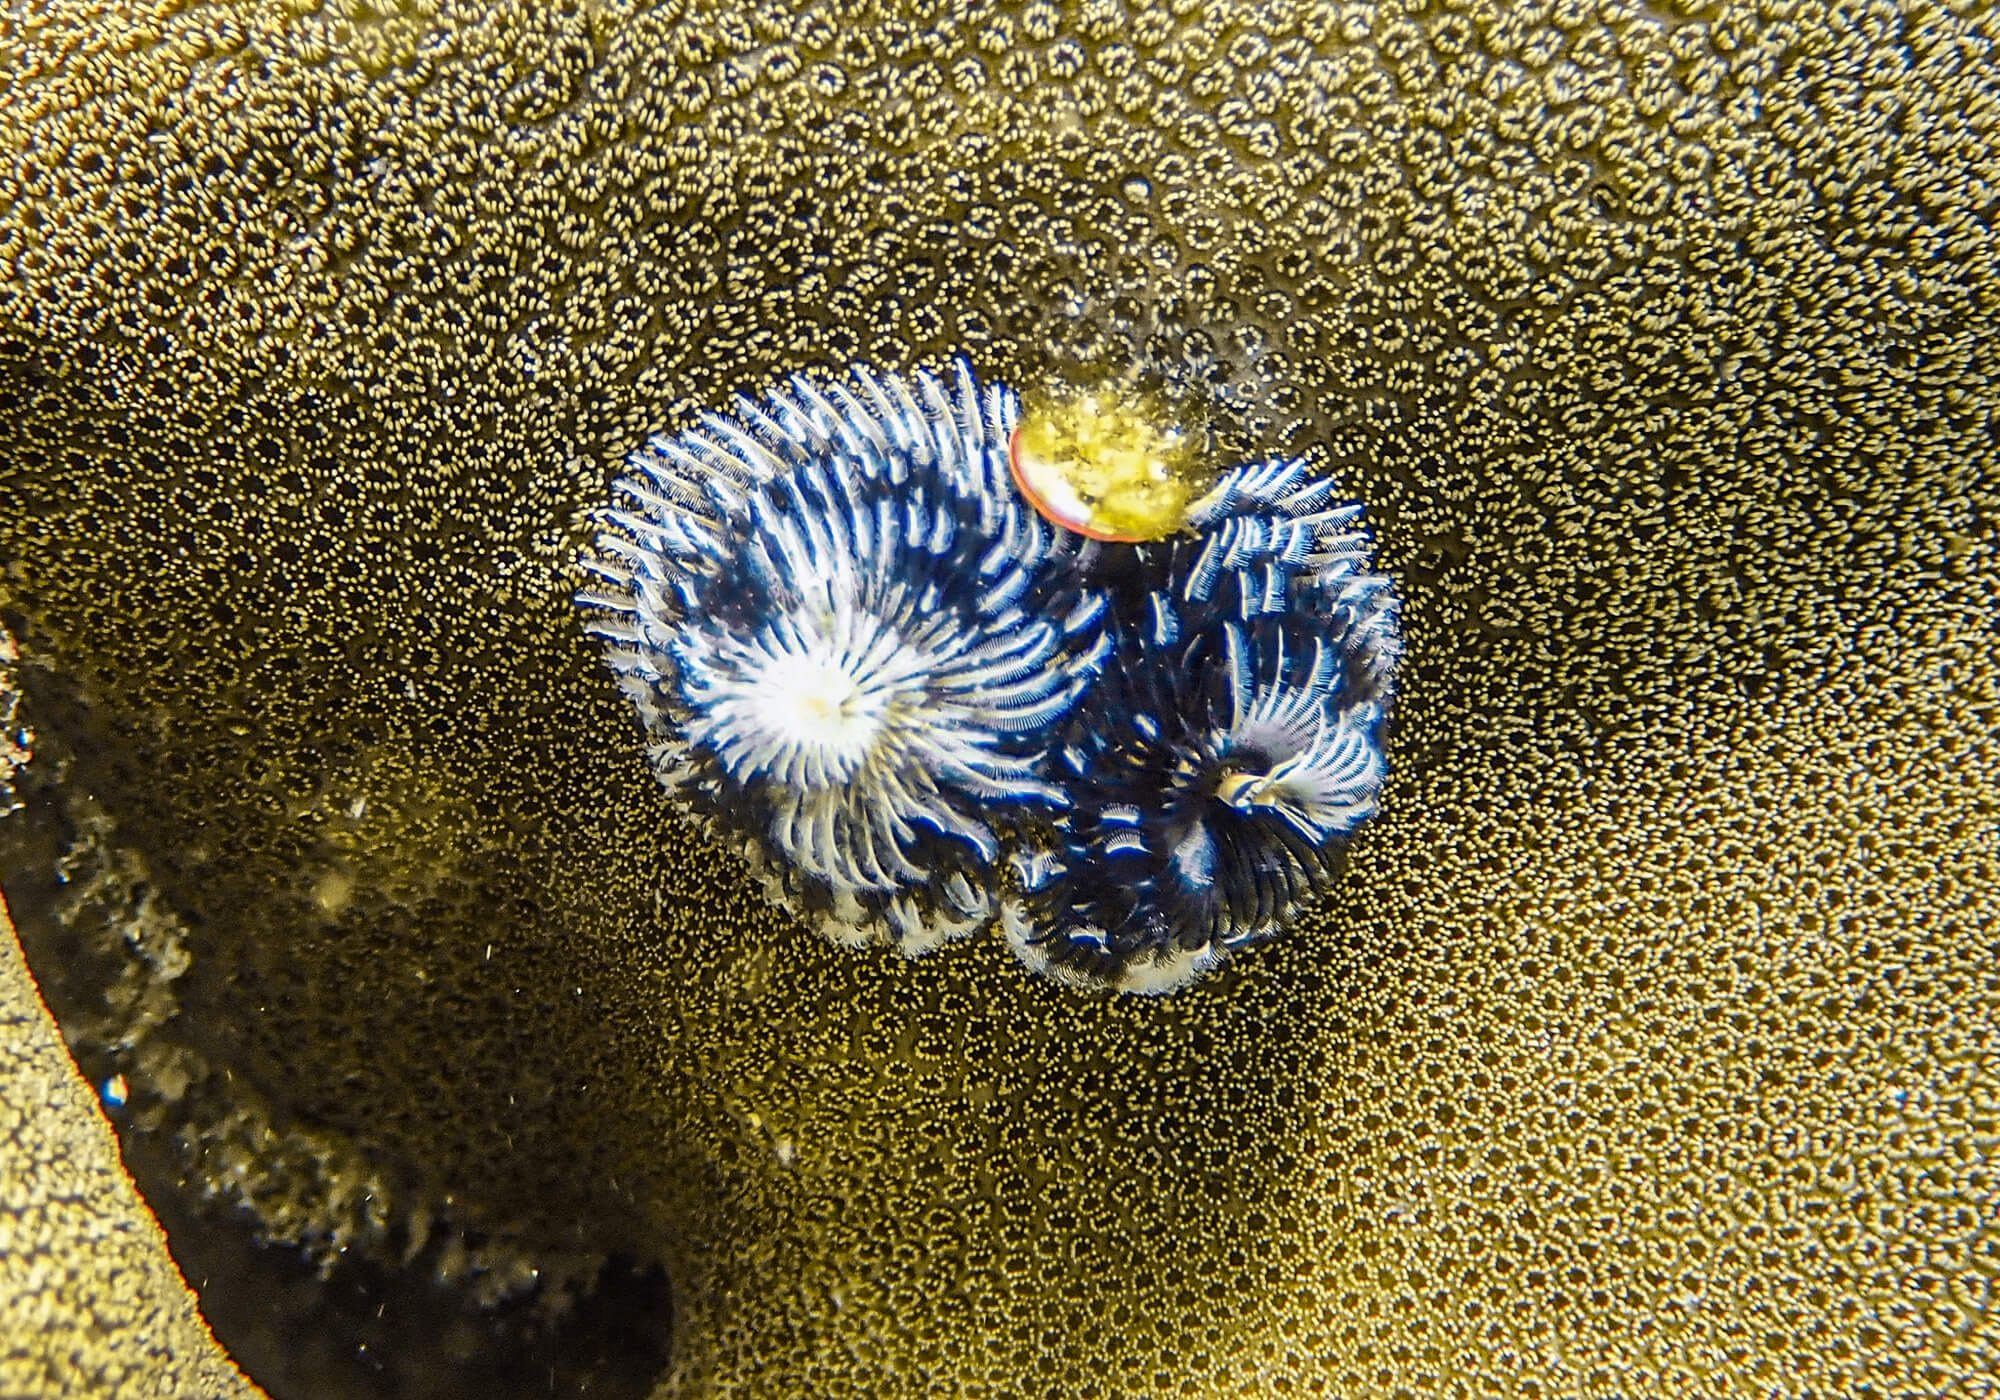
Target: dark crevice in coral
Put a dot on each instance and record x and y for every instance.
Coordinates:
(413, 1305)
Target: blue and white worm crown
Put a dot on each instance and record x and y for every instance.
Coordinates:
(849, 641)
(855, 648)
(1232, 747)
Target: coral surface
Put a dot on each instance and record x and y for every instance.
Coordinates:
(89, 1300)
(1646, 1045)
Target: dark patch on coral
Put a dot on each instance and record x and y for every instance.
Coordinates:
(370, 1331)
(414, 1309)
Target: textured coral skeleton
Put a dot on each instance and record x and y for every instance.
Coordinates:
(1645, 1045)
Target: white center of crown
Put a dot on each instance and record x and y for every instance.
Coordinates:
(807, 700)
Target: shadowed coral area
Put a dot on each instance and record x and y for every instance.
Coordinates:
(1646, 1042)
(89, 1301)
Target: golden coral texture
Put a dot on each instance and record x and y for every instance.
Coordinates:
(89, 1301)
(1648, 1045)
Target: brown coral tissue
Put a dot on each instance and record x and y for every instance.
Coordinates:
(1645, 1044)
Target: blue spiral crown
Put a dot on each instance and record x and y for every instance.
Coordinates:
(1233, 745)
(849, 642)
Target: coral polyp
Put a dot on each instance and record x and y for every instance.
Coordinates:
(848, 642)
